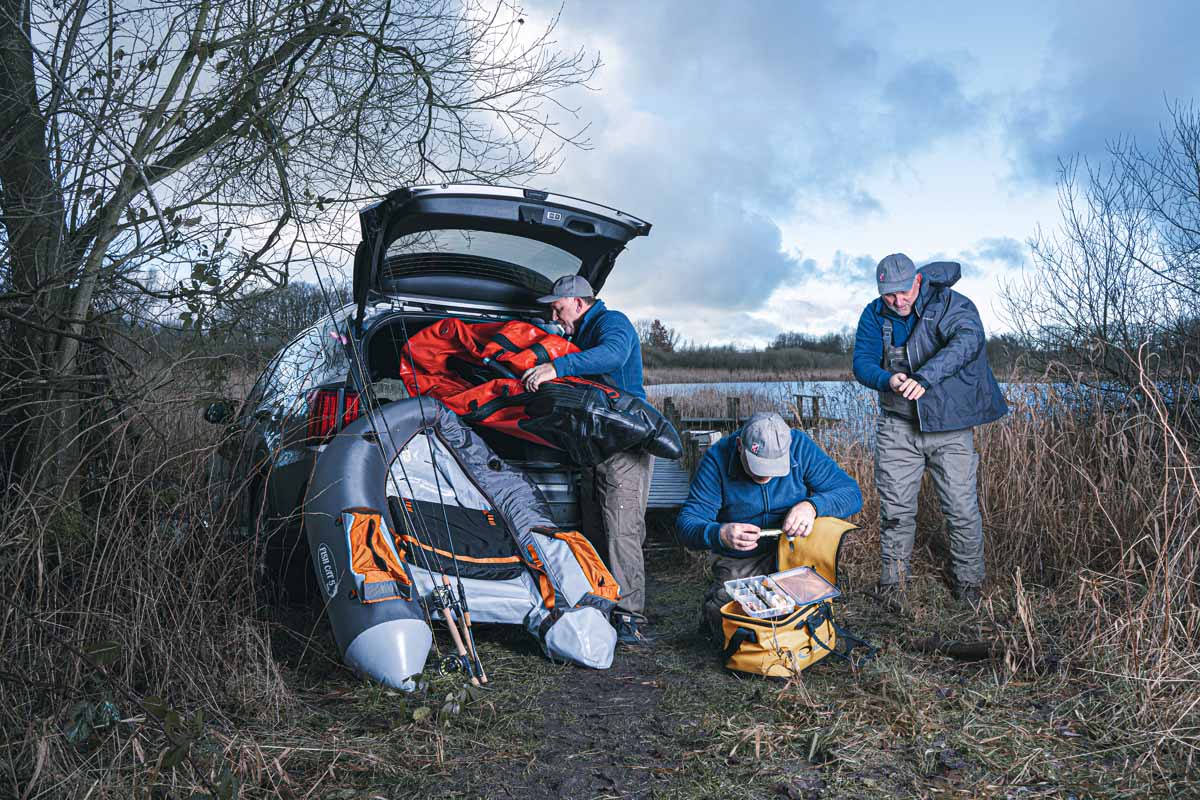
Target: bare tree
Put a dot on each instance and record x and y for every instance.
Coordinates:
(1122, 269)
(642, 326)
(186, 151)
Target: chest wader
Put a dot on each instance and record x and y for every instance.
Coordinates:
(895, 359)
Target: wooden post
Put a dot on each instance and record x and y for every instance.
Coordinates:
(671, 412)
(731, 411)
(691, 454)
(800, 411)
(816, 398)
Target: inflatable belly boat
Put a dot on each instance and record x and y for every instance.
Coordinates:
(401, 521)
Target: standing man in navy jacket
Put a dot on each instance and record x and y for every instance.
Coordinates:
(921, 346)
(764, 476)
(615, 492)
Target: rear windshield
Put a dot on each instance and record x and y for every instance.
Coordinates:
(526, 262)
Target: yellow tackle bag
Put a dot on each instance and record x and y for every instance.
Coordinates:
(784, 646)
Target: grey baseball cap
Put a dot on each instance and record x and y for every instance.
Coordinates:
(568, 286)
(767, 445)
(895, 274)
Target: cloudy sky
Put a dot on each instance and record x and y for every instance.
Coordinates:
(780, 149)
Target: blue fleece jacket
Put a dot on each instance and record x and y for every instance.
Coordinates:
(869, 344)
(722, 492)
(609, 349)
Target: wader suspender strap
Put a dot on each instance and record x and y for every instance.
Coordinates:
(895, 359)
(543, 356)
(504, 343)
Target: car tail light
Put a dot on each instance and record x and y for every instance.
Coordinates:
(350, 408)
(325, 406)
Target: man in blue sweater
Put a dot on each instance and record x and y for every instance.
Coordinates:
(762, 477)
(614, 492)
(921, 346)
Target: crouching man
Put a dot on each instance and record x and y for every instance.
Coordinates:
(765, 476)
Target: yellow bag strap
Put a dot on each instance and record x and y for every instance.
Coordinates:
(818, 550)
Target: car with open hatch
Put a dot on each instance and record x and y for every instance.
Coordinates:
(478, 254)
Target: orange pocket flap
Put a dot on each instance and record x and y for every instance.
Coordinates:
(373, 559)
(603, 583)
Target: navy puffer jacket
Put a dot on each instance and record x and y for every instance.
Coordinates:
(946, 350)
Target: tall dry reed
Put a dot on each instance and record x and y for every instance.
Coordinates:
(1091, 509)
(1090, 513)
(129, 605)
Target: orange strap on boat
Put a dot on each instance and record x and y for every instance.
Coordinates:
(545, 587)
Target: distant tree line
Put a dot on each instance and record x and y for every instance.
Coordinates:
(841, 342)
(796, 351)
(730, 358)
(271, 319)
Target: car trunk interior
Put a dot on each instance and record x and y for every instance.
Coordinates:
(549, 468)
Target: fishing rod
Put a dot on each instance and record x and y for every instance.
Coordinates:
(357, 377)
(442, 598)
(369, 404)
(430, 437)
(358, 381)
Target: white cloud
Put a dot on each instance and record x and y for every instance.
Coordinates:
(780, 148)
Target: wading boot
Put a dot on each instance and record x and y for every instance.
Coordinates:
(968, 596)
(892, 597)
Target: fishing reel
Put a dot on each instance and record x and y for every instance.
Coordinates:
(449, 665)
(443, 597)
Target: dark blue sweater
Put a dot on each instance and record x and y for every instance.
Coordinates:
(722, 492)
(609, 349)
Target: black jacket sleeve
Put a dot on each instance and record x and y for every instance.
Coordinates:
(962, 331)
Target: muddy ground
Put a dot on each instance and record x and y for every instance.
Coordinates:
(670, 722)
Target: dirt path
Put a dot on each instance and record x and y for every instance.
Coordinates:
(669, 722)
(665, 721)
(601, 733)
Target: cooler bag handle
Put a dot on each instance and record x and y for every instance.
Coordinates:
(740, 636)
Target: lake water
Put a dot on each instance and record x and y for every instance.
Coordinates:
(840, 399)
(848, 401)
(824, 388)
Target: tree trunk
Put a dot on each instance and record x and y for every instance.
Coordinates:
(33, 217)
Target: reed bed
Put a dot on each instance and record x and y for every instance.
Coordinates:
(129, 617)
(137, 654)
(660, 375)
(1091, 511)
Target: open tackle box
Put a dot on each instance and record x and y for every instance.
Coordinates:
(769, 596)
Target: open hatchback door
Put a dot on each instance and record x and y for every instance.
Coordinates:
(484, 243)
